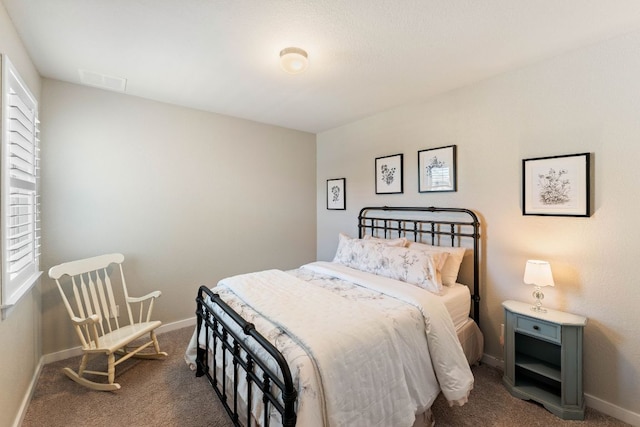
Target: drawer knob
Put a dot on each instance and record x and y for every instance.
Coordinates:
(536, 327)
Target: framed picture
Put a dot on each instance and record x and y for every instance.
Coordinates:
(336, 194)
(389, 174)
(437, 169)
(557, 185)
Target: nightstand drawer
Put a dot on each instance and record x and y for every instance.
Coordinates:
(539, 328)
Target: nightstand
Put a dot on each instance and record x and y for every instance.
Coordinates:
(543, 358)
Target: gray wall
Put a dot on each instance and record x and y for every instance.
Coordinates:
(20, 331)
(584, 101)
(189, 197)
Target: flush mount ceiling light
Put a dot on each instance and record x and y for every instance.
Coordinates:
(293, 60)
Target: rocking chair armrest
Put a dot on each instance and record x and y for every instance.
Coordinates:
(94, 318)
(154, 294)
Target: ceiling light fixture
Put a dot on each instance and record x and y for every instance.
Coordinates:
(293, 60)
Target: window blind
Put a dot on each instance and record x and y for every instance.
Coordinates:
(20, 185)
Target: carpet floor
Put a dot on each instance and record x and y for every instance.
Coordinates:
(166, 393)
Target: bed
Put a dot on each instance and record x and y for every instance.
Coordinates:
(371, 338)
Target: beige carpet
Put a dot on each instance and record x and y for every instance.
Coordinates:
(166, 393)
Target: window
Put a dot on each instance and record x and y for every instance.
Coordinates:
(440, 177)
(19, 197)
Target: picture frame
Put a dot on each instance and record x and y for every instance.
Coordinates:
(437, 171)
(337, 194)
(389, 174)
(557, 185)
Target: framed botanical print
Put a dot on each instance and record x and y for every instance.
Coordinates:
(336, 194)
(389, 174)
(437, 169)
(557, 186)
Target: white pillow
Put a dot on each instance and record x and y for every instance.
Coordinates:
(399, 241)
(348, 249)
(417, 267)
(452, 263)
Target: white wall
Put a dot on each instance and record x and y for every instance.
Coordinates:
(20, 332)
(584, 101)
(189, 197)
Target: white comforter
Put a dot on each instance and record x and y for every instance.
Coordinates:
(368, 364)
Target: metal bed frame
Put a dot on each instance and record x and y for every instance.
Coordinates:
(450, 230)
(228, 340)
(236, 341)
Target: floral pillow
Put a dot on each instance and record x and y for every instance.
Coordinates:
(408, 265)
(399, 241)
(350, 250)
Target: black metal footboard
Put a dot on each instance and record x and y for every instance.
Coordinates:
(234, 343)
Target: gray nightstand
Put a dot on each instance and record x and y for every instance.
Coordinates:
(543, 358)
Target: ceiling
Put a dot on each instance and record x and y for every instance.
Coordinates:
(366, 56)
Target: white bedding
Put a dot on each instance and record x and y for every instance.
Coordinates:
(457, 300)
(331, 391)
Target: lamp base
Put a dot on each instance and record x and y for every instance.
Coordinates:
(539, 296)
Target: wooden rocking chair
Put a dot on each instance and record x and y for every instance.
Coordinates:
(96, 320)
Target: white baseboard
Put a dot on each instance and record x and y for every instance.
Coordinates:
(493, 361)
(77, 351)
(22, 411)
(61, 355)
(612, 410)
(590, 401)
(173, 326)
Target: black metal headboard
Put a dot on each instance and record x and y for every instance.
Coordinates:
(436, 226)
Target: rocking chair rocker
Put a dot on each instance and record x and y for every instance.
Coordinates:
(97, 322)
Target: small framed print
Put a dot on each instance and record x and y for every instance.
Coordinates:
(389, 174)
(557, 186)
(336, 194)
(437, 169)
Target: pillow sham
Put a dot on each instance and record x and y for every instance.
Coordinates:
(417, 267)
(350, 247)
(452, 262)
(399, 241)
(349, 250)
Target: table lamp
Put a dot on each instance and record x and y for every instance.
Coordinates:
(538, 273)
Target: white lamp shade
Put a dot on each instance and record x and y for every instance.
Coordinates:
(538, 273)
(293, 60)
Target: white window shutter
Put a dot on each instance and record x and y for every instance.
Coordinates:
(20, 200)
